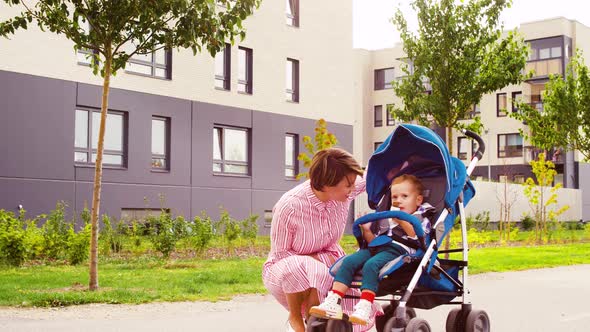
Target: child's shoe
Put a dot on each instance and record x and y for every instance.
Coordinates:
(331, 308)
(362, 313)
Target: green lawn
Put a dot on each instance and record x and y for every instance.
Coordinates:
(139, 280)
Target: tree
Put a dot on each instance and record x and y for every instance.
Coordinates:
(324, 139)
(460, 53)
(119, 29)
(565, 119)
(540, 200)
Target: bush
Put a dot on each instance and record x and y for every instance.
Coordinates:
(250, 228)
(79, 248)
(201, 232)
(56, 233)
(166, 231)
(12, 245)
(231, 227)
(527, 223)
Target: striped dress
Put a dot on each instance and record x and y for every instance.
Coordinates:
(302, 226)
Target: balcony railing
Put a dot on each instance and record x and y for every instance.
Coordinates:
(544, 68)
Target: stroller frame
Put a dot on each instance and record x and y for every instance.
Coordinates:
(399, 314)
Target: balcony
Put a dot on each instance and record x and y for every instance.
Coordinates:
(543, 68)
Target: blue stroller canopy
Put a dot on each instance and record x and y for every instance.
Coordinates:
(417, 150)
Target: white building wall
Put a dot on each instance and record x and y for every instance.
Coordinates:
(322, 44)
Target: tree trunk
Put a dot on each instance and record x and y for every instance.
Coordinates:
(93, 284)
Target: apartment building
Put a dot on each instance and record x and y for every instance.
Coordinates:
(186, 133)
(552, 42)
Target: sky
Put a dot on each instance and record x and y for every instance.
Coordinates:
(372, 28)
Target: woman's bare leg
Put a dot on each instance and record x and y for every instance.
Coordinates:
(295, 301)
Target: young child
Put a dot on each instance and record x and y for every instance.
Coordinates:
(406, 195)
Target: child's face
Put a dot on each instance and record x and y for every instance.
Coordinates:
(405, 196)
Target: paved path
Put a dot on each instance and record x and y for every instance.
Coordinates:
(555, 299)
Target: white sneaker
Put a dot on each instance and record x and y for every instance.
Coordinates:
(331, 308)
(362, 313)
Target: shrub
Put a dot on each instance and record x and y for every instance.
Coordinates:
(201, 232)
(231, 227)
(250, 228)
(56, 233)
(12, 235)
(110, 239)
(527, 223)
(165, 232)
(79, 247)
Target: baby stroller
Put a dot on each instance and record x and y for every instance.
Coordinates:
(422, 280)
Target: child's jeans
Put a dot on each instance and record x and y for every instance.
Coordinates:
(371, 261)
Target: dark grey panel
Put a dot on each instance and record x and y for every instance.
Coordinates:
(140, 108)
(205, 116)
(115, 197)
(37, 127)
(263, 200)
(36, 196)
(237, 202)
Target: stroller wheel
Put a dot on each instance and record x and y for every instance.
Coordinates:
(315, 324)
(451, 325)
(477, 320)
(388, 312)
(418, 325)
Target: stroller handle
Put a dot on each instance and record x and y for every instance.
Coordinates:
(388, 214)
(481, 145)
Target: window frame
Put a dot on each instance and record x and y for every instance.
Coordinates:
(246, 83)
(225, 77)
(513, 100)
(389, 119)
(459, 152)
(167, 144)
(223, 162)
(153, 65)
(295, 166)
(89, 150)
(502, 153)
(379, 78)
(292, 18)
(499, 112)
(378, 121)
(292, 92)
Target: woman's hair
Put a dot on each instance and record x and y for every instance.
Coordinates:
(330, 166)
(412, 179)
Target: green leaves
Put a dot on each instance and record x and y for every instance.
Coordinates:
(457, 56)
(119, 29)
(323, 139)
(565, 118)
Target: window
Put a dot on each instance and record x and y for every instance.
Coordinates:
(502, 178)
(376, 145)
(230, 150)
(292, 80)
(383, 78)
(378, 116)
(245, 70)
(389, 116)
(85, 55)
(509, 145)
(501, 104)
(160, 143)
(223, 68)
(291, 151)
(154, 64)
(518, 178)
(86, 137)
(516, 98)
(292, 12)
(463, 148)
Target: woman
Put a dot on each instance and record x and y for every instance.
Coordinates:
(307, 224)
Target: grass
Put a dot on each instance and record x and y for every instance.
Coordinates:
(141, 279)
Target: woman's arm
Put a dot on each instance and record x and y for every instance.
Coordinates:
(281, 232)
